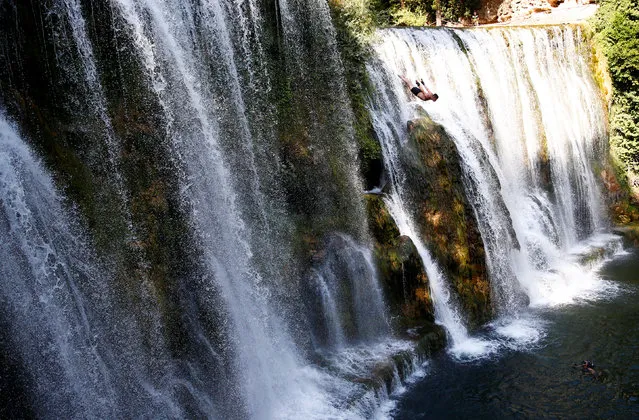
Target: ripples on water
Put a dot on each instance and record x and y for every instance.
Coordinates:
(527, 370)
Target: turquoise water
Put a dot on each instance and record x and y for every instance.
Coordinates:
(540, 381)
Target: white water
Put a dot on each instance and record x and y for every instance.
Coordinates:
(536, 89)
(209, 130)
(45, 266)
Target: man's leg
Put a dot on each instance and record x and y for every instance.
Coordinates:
(406, 81)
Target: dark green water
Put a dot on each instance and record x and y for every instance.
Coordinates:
(540, 382)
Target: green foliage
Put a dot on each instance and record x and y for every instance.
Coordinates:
(362, 16)
(406, 17)
(453, 10)
(422, 12)
(616, 27)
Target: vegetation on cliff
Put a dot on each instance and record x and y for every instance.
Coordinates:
(616, 27)
(445, 216)
(365, 14)
(424, 12)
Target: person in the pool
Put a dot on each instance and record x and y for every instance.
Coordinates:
(421, 91)
(588, 367)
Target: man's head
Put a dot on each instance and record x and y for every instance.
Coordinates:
(425, 97)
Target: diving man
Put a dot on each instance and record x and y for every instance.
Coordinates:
(421, 91)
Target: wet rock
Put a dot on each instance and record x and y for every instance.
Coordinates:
(400, 268)
(445, 217)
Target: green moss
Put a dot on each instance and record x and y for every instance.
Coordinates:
(400, 267)
(615, 63)
(446, 219)
(423, 12)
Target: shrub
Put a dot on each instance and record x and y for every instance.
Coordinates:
(616, 27)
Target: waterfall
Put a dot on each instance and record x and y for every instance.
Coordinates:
(83, 351)
(528, 123)
(183, 229)
(45, 267)
(231, 335)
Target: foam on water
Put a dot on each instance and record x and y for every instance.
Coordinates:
(472, 348)
(522, 333)
(574, 277)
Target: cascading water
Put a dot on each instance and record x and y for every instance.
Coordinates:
(278, 312)
(228, 206)
(83, 352)
(44, 263)
(517, 102)
(243, 344)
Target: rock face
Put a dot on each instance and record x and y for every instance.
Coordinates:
(488, 11)
(513, 9)
(405, 281)
(447, 225)
(446, 218)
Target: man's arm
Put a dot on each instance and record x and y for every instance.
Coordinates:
(405, 80)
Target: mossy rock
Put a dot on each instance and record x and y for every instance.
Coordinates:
(400, 266)
(431, 340)
(445, 216)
